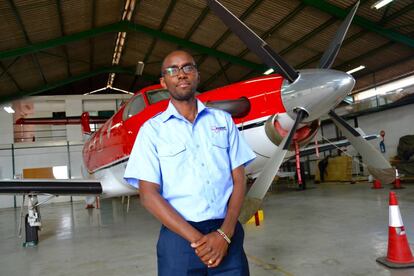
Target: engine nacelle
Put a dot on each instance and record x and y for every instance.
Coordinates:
(275, 132)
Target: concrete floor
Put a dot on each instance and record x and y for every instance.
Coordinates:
(331, 229)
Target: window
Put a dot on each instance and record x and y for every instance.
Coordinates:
(133, 107)
(158, 95)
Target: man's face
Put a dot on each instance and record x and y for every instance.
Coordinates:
(182, 87)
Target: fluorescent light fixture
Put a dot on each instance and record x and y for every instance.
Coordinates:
(379, 4)
(95, 91)
(359, 68)
(8, 109)
(140, 68)
(121, 90)
(385, 88)
(269, 71)
(60, 172)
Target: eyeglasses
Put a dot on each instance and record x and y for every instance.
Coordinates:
(173, 71)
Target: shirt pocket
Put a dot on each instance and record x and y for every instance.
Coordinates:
(167, 151)
(219, 152)
(172, 157)
(220, 141)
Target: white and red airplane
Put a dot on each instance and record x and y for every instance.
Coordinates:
(271, 112)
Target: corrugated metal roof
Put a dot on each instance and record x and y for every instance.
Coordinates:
(301, 30)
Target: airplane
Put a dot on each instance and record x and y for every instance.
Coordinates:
(276, 114)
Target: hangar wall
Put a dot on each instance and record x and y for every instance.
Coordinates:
(39, 155)
(396, 122)
(49, 153)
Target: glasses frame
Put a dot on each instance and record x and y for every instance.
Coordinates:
(180, 68)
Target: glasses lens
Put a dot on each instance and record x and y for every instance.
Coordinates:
(171, 71)
(189, 68)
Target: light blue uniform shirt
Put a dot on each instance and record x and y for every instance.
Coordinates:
(192, 162)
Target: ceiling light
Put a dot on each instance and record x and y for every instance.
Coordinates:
(379, 4)
(385, 88)
(140, 68)
(269, 71)
(9, 109)
(356, 69)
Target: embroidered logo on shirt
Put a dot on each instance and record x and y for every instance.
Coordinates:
(217, 129)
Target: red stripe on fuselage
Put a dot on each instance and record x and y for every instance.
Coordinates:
(115, 139)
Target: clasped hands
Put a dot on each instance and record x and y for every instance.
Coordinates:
(211, 249)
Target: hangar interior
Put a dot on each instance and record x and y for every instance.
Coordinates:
(59, 59)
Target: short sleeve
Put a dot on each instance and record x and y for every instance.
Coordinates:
(239, 151)
(143, 163)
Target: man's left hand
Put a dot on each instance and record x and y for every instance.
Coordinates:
(211, 249)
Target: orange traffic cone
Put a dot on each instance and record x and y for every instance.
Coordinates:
(397, 181)
(376, 184)
(399, 253)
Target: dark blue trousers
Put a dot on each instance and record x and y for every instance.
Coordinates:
(176, 257)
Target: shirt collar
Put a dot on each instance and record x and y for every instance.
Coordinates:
(171, 111)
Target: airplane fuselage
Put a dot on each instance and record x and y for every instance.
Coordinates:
(273, 103)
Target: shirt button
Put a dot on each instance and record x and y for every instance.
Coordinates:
(208, 182)
(202, 164)
(197, 146)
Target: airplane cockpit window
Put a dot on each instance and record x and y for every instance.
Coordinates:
(133, 107)
(157, 95)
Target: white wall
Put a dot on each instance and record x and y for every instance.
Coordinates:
(395, 122)
(38, 155)
(6, 127)
(47, 154)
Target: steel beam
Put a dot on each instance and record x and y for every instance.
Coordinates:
(9, 75)
(127, 27)
(26, 37)
(358, 35)
(360, 21)
(6, 69)
(50, 86)
(160, 27)
(200, 19)
(227, 33)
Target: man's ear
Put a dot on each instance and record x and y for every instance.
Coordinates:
(162, 82)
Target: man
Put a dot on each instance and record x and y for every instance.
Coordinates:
(323, 165)
(189, 161)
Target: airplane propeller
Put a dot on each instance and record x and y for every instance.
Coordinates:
(377, 165)
(254, 197)
(330, 54)
(254, 42)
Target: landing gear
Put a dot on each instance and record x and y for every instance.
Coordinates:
(32, 222)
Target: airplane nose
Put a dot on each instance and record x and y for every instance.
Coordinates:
(316, 91)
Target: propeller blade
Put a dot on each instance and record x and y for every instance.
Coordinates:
(330, 54)
(254, 42)
(377, 165)
(254, 197)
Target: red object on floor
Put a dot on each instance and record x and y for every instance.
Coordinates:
(397, 181)
(256, 218)
(399, 253)
(376, 184)
(89, 206)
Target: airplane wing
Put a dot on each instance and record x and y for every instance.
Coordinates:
(50, 186)
(309, 150)
(74, 120)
